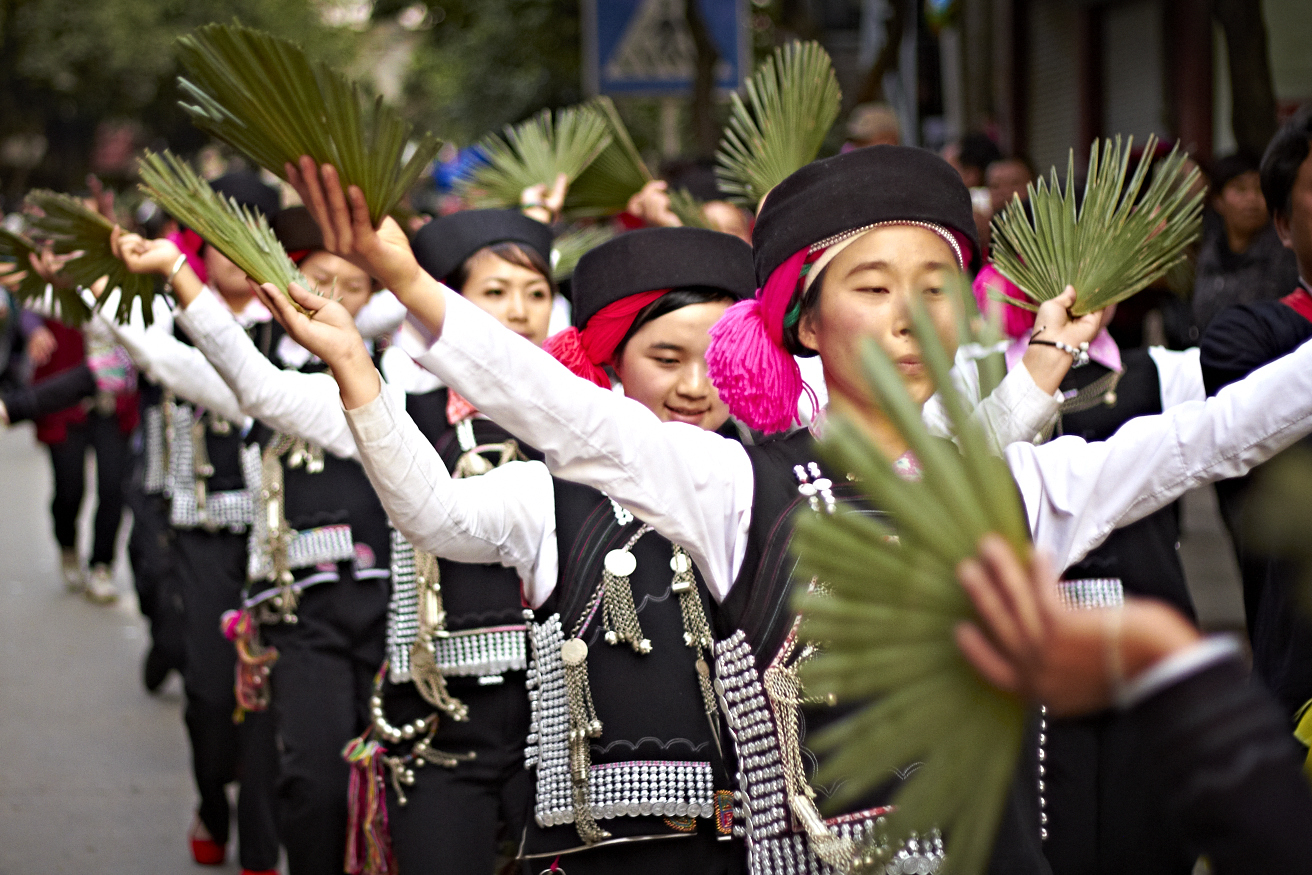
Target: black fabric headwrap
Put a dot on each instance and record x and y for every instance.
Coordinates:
(855, 189)
(247, 190)
(296, 230)
(445, 243)
(660, 258)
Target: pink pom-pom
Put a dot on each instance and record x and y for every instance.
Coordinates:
(230, 624)
(1016, 321)
(567, 348)
(757, 378)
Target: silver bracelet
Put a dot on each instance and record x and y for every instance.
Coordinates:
(173, 271)
(1079, 355)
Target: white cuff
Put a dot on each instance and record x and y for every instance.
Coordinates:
(1175, 668)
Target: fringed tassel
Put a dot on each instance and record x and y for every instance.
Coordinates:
(584, 726)
(619, 615)
(424, 670)
(254, 662)
(756, 377)
(368, 843)
(696, 634)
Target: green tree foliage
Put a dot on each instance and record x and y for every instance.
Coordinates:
(66, 67)
(484, 64)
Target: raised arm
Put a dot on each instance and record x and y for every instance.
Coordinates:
(1076, 492)
(694, 487)
(302, 405)
(172, 363)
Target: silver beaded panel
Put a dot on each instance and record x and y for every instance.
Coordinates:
(152, 429)
(232, 509)
(1094, 592)
(761, 813)
(664, 788)
(326, 544)
(465, 653)
(402, 610)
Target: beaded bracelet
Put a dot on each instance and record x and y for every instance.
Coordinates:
(1079, 354)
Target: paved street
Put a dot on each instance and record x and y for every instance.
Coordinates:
(94, 778)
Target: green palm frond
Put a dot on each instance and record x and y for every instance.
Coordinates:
(794, 100)
(16, 249)
(263, 96)
(688, 209)
(884, 614)
(534, 152)
(573, 245)
(617, 174)
(72, 227)
(1117, 239)
(243, 236)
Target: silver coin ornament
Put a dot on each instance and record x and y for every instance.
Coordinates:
(574, 651)
(620, 563)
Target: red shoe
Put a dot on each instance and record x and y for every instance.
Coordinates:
(204, 850)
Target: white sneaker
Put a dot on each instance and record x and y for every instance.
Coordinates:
(100, 585)
(75, 579)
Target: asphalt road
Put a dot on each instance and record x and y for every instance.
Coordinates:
(94, 772)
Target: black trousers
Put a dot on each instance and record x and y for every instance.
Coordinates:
(702, 853)
(322, 682)
(1105, 812)
(454, 818)
(212, 568)
(68, 458)
(153, 557)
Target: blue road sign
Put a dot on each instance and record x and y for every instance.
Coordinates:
(644, 47)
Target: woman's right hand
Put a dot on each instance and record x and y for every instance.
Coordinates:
(326, 329)
(652, 205)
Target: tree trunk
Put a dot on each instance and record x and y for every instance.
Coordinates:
(1252, 92)
(706, 132)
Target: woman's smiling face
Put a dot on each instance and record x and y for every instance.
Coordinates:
(663, 366)
(867, 290)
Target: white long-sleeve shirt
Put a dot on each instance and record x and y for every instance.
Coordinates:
(696, 487)
(170, 362)
(304, 405)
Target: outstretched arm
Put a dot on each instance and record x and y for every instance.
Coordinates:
(1077, 492)
(506, 516)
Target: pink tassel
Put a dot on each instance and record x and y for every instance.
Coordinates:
(567, 348)
(758, 379)
(368, 840)
(746, 360)
(254, 662)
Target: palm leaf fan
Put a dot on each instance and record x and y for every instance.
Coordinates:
(1122, 234)
(792, 101)
(883, 609)
(534, 152)
(263, 96)
(16, 248)
(618, 173)
(573, 245)
(73, 228)
(243, 236)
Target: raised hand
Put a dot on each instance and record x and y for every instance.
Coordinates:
(1074, 661)
(543, 204)
(140, 255)
(652, 205)
(343, 218)
(327, 330)
(1055, 324)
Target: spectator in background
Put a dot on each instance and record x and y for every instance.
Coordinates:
(1006, 178)
(970, 156)
(872, 124)
(1242, 261)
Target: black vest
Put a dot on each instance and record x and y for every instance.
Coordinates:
(650, 705)
(1142, 555)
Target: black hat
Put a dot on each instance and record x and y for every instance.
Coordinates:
(447, 242)
(660, 258)
(858, 188)
(296, 230)
(1226, 169)
(247, 190)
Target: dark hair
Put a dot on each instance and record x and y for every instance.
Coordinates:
(1022, 160)
(804, 302)
(521, 256)
(1226, 170)
(1284, 155)
(977, 150)
(676, 299)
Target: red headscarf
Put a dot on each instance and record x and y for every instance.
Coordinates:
(585, 352)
